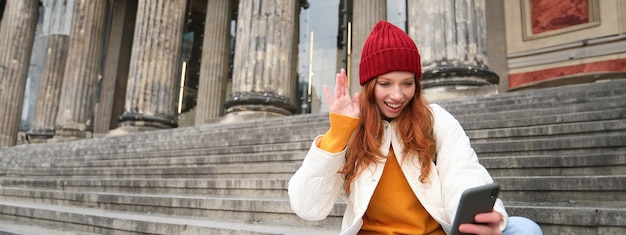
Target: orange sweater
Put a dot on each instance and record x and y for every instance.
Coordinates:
(393, 209)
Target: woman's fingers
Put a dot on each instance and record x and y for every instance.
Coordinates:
(340, 84)
(327, 94)
(491, 224)
(341, 87)
(340, 101)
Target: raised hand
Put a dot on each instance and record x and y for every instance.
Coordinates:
(341, 102)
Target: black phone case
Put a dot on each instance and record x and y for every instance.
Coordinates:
(474, 201)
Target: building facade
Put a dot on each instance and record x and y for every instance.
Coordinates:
(78, 69)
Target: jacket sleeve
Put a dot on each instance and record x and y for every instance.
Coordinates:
(315, 187)
(457, 163)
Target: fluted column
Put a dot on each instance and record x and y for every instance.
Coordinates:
(263, 83)
(215, 61)
(451, 38)
(57, 22)
(365, 14)
(17, 34)
(116, 64)
(155, 65)
(75, 114)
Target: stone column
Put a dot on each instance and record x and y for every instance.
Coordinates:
(75, 114)
(57, 23)
(365, 14)
(264, 73)
(155, 66)
(17, 33)
(450, 36)
(215, 61)
(116, 64)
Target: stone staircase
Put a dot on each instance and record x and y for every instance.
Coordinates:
(559, 155)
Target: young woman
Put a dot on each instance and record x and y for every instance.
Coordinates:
(400, 163)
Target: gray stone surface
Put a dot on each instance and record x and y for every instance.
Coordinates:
(559, 155)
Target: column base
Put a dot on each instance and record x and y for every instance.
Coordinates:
(146, 121)
(450, 80)
(22, 138)
(458, 76)
(67, 134)
(37, 135)
(265, 104)
(453, 92)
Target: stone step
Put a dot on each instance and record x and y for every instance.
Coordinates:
(174, 138)
(603, 188)
(223, 141)
(266, 210)
(553, 152)
(234, 139)
(240, 171)
(277, 122)
(155, 136)
(570, 218)
(30, 229)
(67, 158)
(265, 144)
(262, 187)
(142, 142)
(222, 137)
(586, 91)
(120, 222)
(259, 136)
(541, 111)
(198, 158)
(194, 142)
(551, 103)
(547, 131)
(267, 136)
(553, 216)
(589, 163)
(549, 161)
(599, 190)
(528, 147)
(566, 165)
(293, 124)
(250, 137)
(526, 119)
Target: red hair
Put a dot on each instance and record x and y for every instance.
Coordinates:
(414, 126)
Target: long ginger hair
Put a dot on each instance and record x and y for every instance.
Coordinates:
(414, 126)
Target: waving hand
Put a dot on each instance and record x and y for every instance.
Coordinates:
(341, 102)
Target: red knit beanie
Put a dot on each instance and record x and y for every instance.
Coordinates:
(388, 49)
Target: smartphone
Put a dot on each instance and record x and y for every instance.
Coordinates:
(474, 201)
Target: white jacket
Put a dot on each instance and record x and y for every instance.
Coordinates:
(316, 186)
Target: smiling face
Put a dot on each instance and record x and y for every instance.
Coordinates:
(393, 92)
